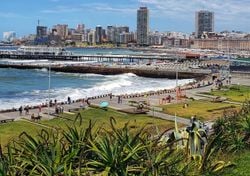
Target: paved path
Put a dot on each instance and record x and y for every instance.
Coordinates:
(169, 117)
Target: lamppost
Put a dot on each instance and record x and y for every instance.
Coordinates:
(176, 79)
(49, 89)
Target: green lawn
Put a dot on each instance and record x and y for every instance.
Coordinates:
(204, 110)
(101, 117)
(242, 165)
(238, 93)
(11, 130)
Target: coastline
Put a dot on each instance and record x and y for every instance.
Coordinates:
(188, 86)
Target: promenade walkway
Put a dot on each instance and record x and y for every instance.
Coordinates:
(154, 100)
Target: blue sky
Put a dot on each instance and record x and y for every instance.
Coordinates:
(165, 15)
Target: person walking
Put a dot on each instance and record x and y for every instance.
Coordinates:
(20, 110)
(119, 99)
(69, 100)
(39, 109)
(27, 110)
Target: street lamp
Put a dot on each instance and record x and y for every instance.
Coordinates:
(49, 89)
(176, 78)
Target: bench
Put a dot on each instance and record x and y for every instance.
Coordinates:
(6, 120)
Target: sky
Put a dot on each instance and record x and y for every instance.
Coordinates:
(22, 16)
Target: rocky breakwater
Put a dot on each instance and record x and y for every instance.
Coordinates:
(152, 72)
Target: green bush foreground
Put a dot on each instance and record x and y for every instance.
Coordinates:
(122, 151)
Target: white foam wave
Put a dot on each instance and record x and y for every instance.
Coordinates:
(118, 84)
(42, 70)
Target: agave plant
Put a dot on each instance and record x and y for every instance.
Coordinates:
(3, 163)
(44, 155)
(116, 152)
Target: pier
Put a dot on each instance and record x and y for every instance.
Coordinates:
(89, 57)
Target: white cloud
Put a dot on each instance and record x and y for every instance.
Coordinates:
(234, 13)
(104, 7)
(223, 9)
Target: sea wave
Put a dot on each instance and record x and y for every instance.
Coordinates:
(116, 84)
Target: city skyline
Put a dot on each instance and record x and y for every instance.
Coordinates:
(22, 16)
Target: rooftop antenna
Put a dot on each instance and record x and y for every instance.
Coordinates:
(38, 22)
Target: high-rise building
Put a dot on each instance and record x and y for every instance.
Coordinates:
(62, 30)
(113, 33)
(41, 31)
(9, 36)
(111, 30)
(98, 34)
(91, 37)
(80, 28)
(142, 26)
(204, 22)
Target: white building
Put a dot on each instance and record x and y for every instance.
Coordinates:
(9, 36)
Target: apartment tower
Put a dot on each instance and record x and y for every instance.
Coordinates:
(204, 22)
(142, 26)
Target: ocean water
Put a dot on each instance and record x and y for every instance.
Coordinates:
(23, 87)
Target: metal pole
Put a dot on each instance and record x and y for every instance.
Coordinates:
(49, 89)
(176, 80)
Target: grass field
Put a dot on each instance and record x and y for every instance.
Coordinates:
(204, 110)
(238, 93)
(242, 165)
(101, 117)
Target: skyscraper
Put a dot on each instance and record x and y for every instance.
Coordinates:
(41, 31)
(98, 34)
(142, 26)
(80, 28)
(204, 22)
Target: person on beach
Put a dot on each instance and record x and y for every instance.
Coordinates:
(20, 110)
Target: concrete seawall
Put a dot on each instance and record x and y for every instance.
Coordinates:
(151, 73)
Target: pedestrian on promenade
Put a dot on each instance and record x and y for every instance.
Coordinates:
(110, 96)
(87, 101)
(82, 103)
(69, 100)
(26, 110)
(39, 109)
(61, 109)
(56, 110)
(119, 99)
(20, 110)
